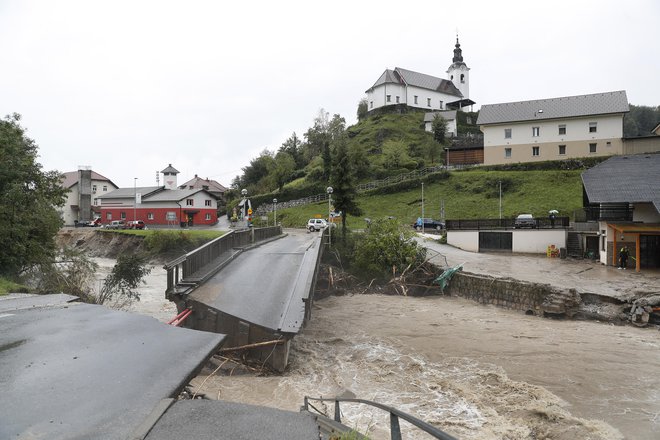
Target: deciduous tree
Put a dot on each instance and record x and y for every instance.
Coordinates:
(29, 198)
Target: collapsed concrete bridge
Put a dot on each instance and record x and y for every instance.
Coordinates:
(253, 285)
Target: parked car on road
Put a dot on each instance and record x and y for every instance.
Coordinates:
(525, 221)
(316, 224)
(136, 224)
(428, 223)
(94, 223)
(116, 224)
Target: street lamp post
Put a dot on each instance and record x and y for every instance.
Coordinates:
(275, 209)
(329, 190)
(134, 198)
(422, 207)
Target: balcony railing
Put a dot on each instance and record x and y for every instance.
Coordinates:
(507, 223)
(609, 213)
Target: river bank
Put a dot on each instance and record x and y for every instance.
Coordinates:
(475, 370)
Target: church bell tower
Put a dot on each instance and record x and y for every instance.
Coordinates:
(459, 72)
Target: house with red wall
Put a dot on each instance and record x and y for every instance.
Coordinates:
(161, 205)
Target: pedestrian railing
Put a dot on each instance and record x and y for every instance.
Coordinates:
(197, 265)
(395, 415)
(360, 188)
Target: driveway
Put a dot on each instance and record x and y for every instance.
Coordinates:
(586, 276)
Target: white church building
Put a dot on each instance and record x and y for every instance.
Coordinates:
(419, 90)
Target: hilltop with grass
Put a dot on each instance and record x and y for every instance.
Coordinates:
(391, 144)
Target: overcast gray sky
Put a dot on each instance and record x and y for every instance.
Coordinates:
(128, 87)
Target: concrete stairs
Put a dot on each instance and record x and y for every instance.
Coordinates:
(573, 245)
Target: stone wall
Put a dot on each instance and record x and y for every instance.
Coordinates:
(531, 298)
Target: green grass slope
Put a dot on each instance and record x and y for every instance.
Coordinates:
(466, 194)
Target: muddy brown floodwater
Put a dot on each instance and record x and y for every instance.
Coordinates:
(476, 371)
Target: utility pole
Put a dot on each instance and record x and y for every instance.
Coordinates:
(134, 198)
(500, 200)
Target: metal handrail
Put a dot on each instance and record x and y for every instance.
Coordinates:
(395, 415)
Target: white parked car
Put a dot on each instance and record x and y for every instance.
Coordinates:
(316, 224)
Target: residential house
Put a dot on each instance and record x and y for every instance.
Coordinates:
(210, 185)
(447, 115)
(402, 87)
(83, 199)
(553, 129)
(643, 144)
(622, 194)
(161, 205)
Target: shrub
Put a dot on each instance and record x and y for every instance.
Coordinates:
(387, 248)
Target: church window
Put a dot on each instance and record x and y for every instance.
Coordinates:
(452, 78)
(371, 104)
(592, 148)
(397, 100)
(428, 102)
(507, 152)
(562, 129)
(441, 107)
(536, 131)
(562, 150)
(462, 77)
(389, 98)
(416, 99)
(593, 126)
(535, 151)
(507, 133)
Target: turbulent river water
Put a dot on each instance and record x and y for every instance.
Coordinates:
(475, 371)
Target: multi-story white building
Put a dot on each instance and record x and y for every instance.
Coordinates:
(553, 129)
(419, 90)
(83, 199)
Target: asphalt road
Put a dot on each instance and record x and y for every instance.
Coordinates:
(71, 370)
(259, 285)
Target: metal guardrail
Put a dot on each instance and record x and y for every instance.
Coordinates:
(506, 223)
(195, 261)
(395, 415)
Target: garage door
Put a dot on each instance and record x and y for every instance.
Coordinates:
(495, 241)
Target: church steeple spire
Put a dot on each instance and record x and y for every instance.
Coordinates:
(459, 72)
(458, 52)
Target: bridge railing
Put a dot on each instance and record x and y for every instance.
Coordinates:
(395, 415)
(205, 258)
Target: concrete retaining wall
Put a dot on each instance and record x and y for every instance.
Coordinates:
(531, 298)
